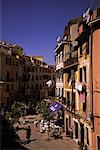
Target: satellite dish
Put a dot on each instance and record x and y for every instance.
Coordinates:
(58, 39)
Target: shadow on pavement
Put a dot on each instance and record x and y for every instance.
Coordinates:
(27, 142)
(9, 138)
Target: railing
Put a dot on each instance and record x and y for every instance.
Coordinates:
(71, 61)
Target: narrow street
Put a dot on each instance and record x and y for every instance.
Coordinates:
(39, 141)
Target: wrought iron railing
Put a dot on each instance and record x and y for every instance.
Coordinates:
(71, 61)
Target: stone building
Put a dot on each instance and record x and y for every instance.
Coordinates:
(10, 72)
(23, 76)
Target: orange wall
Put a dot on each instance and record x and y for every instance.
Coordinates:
(96, 84)
(96, 70)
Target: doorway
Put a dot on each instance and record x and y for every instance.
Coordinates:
(76, 130)
(98, 142)
(66, 126)
(82, 134)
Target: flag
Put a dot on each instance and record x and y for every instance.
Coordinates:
(55, 106)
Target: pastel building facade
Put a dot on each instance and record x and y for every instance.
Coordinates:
(81, 78)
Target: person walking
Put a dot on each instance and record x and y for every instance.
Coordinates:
(28, 133)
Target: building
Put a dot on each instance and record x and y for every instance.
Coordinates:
(10, 72)
(95, 78)
(59, 50)
(42, 74)
(77, 59)
(82, 114)
(82, 130)
(23, 76)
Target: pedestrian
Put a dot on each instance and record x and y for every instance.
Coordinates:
(28, 133)
(36, 122)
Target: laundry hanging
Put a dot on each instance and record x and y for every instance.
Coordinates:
(82, 97)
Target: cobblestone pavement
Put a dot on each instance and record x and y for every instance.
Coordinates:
(39, 141)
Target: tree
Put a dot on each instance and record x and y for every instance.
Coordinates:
(18, 109)
(43, 109)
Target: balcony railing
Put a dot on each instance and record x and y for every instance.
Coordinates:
(71, 61)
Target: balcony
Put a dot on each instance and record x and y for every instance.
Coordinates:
(71, 62)
(71, 57)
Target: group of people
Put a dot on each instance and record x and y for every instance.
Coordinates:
(46, 125)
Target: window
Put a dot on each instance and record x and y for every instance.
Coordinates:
(7, 101)
(69, 75)
(62, 56)
(84, 104)
(16, 63)
(13, 63)
(59, 91)
(36, 77)
(24, 68)
(35, 61)
(59, 79)
(28, 76)
(80, 74)
(62, 91)
(27, 86)
(12, 87)
(36, 86)
(32, 78)
(56, 59)
(9, 61)
(80, 50)
(87, 135)
(68, 98)
(73, 101)
(40, 86)
(87, 46)
(8, 76)
(7, 88)
(84, 69)
(6, 60)
(20, 62)
(2, 105)
(16, 75)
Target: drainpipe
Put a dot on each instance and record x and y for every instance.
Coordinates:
(91, 79)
